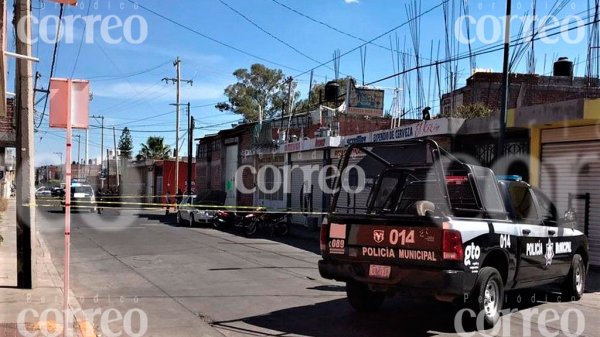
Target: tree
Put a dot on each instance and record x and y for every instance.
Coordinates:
(259, 88)
(126, 143)
(154, 148)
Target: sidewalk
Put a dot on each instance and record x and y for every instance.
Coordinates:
(30, 304)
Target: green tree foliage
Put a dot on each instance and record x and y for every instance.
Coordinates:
(154, 148)
(126, 143)
(257, 88)
(469, 111)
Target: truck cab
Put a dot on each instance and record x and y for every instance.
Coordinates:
(409, 218)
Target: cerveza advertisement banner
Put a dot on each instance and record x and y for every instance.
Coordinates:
(418, 130)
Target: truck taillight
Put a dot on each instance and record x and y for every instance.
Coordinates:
(452, 245)
(324, 236)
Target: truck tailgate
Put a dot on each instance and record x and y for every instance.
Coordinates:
(386, 244)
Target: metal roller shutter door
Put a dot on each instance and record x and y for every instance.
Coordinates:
(574, 167)
(296, 187)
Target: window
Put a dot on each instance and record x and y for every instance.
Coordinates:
(488, 189)
(522, 201)
(547, 208)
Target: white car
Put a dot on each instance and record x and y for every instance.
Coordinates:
(200, 208)
(188, 212)
(43, 192)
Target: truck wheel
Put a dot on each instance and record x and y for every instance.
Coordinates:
(363, 299)
(574, 285)
(487, 296)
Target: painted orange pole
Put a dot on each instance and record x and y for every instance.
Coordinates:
(67, 326)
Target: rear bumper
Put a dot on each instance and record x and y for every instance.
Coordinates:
(204, 216)
(415, 281)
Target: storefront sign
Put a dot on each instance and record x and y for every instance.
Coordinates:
(357, 139)
(292, 147)
(368, 102)
(422, 129)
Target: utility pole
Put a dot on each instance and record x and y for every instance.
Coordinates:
(190, 145)
(108, 169)
(505, 85)
(87, 144)
(289, 82)
(26, 241)
(101, 147)
(177, 81)
(116, 156)
(78, 155)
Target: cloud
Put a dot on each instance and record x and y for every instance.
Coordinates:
(160, 91)
(351, 1)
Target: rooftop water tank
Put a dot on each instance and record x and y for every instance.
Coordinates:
(563, 67)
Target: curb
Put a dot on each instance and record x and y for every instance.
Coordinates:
(86, 329)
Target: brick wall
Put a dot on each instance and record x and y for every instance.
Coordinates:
(7, 131)
(525, 90)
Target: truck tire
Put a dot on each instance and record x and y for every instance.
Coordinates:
(574, 284)
(487, 296)
(362, 298)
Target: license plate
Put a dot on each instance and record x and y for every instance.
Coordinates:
(378, 271)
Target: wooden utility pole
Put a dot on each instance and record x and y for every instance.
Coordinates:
(116, 156)
(101, 147)
(177, 81)
(26, 241)
(505, 84)
(3, 25)
(190, 143)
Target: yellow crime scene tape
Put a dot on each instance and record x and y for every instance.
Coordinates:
(162, 206)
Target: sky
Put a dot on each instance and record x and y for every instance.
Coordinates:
(213, 38)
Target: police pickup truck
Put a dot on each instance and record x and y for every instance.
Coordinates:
(411, 218)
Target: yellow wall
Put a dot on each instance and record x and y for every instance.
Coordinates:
(535, 153)
(591, 109)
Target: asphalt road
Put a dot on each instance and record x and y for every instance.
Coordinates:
(183, 278)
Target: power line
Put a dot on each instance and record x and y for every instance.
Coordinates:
(177, 23)
(332, 27)
(53, 64)
(101, 78)
(165, 131)
(375, 38)
(517, 42)
(252, 22)
(81, 41)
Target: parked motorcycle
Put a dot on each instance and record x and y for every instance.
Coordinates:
(272, 223)
(226, 219)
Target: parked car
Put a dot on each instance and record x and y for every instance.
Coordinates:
(82, 198)
(200, 208)
(433, 225)
(57, 191)
(43, 192)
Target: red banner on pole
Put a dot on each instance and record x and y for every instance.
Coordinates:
(78, 99)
